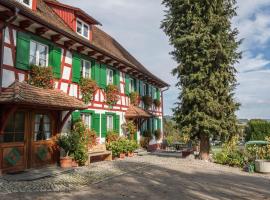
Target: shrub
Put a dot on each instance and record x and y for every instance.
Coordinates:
(144, 142)
(112, 94)
(122, 145)
(92, 138)
(157, 103)
(87, 88)
(230, 155)
(134, 98)
(41, 77)
(147, 100)
(131, 128)
(258, 151)
(158, 134)
(257, 129)
(112, 136)
(148, 134)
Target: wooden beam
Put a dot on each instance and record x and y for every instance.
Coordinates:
(5, 117)
(101, 57)
(25, 24)
(56, 37)
(108, 61)
(6, 14)
(69, 43)
(92, 53)
(81, 48)
(41, 30)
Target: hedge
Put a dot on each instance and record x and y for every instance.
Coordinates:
(257, 129)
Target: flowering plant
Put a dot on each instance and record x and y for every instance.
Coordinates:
(134, 98)
(41, 77)
(87, 87)
(112, 94)
(147, 100)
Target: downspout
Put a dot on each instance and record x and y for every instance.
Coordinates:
(162, 91)
(2, 29)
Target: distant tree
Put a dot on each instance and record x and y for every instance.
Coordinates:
(205, 46)
(257, 129)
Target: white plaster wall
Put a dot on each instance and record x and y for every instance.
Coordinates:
(7, 59)
(8, 78)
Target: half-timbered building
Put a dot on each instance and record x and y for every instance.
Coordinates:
(48, 33)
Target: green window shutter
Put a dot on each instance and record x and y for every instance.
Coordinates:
(116, 123)
(141, 87)
(55, 60)
(116, 77)
(95, 123)
(153, 92)
(103, 76)
(127, 84)
(22, 51)
(159, 123)
(135, 84)
(95, 71)
(75, 116)
(158, 93)
(103, 125)
(76, 67)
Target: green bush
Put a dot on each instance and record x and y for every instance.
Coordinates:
(122, 145)
(257, 129)
(230, 154)
(112, 136)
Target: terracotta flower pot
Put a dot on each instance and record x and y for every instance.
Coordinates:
(122, 155)
(66, 162)
(130, 154)
(74, 163)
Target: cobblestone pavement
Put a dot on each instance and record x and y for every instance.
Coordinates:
(144, 177)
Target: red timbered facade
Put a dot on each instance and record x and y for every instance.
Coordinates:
(49, 33)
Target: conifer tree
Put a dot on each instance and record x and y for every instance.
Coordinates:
(206, 49)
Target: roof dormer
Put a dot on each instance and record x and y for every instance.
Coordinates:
(29, 3)
(79, 21)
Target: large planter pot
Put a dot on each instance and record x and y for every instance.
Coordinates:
(74, 163)
(262, 166)
(66, 162)
(122, 155)
(130, 154)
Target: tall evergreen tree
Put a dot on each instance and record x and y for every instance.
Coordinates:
(205, 46)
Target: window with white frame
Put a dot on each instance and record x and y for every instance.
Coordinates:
(82, 28)
(109, 122)
(86, 69)
(87, 120)
(132, 85)
(155, 93)
(109, 76)
(27, 3)
(38, 54)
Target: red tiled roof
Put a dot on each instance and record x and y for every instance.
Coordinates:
(25, 94)
(136, 112)
(101, 40)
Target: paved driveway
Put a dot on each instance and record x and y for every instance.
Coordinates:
(167, 178)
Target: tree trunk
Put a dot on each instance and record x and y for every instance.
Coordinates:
(204, 147)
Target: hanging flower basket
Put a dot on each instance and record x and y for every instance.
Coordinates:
(112, 95)
(134, 98)
(147, 100)
(41, 77)
(157, 103)
(87, 88)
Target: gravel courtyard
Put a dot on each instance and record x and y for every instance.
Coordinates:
(144, 177)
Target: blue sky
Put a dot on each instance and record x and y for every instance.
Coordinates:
(136, 25)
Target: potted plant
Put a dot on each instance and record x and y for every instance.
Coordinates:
(112, 94)
(157, 103)
(64, 142)
(134, 98)
(87, 88)
(147, 100)
(158, 134)
(41, 77)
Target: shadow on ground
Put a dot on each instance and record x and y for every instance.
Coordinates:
(157, 182)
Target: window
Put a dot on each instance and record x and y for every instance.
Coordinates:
(86, 69)
(14, 131)
(109, 122)
(144, 90)
(131, 85)
(38, 54)
(109, 76)
(42, 127)
(87, 120)
(27, 3)
(82, 28)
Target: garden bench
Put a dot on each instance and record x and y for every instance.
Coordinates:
(100, 151)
